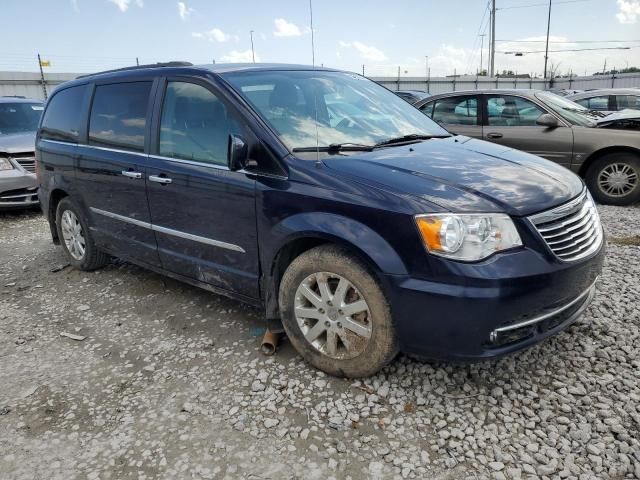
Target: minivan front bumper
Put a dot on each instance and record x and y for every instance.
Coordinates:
(479, 311)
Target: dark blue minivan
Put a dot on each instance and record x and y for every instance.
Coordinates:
(325, 199)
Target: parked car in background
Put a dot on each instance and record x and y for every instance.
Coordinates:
(366, 235)
(608, 99)
(412, 96)
(19, 119)
(563, 92)
(603, 149)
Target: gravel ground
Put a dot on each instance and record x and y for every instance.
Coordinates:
(169, 383)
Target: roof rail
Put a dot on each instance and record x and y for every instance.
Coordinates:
(13, 96)
(138, 67)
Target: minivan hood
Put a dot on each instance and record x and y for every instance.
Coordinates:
(463, 174)
(18, 142)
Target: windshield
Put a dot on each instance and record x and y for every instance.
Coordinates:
(571, 111)
(19, 117)
(334, 107)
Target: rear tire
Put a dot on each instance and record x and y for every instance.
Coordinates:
(336, 314)
(614, 178)
(75, 237)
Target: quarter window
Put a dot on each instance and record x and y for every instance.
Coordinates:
(456, 111)
(595, 103)
(62, 118)
(195, 124)
(510, 111)
(119, 114)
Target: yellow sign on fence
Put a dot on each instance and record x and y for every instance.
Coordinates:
(45, 63)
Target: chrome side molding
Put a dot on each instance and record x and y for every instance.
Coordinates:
(169, 231)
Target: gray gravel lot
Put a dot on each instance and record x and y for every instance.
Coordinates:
(169, 383)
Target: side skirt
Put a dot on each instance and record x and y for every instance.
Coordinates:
(196, 283)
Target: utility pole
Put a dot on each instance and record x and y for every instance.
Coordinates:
(546, 50)
(481, 48)
(137, 62)
(426, 69)
(44, 85)
(363, 69)
(253, 53)
(313, 47)
(493, 37)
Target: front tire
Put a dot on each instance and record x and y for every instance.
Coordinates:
(76, 239)
(614, 178)
(336, 314)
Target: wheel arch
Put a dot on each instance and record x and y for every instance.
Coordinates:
(57, 194)
(593, 157)
(311, 230)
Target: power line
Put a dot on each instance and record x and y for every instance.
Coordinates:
(570, 50)
(568, 41)
(540, 4)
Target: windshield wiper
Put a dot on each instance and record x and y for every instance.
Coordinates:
(337, 147)
(412, 137)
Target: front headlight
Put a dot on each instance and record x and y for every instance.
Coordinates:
(5, 164)
(467, 237)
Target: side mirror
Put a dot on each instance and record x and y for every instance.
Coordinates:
(238, 153)
(547, 120)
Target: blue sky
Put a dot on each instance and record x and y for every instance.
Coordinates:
(90, 35)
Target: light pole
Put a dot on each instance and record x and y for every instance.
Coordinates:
(253, 53)
(426, 70)
(546, 50)
(481, 48)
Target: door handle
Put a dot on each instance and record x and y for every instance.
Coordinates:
(130, 174)
(158, 179)
(494, 135)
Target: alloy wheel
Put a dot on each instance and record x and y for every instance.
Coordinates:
(333, 315)
(72, 235)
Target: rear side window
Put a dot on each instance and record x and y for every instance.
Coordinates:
(456, 111)
(119, 115)
(62, 118)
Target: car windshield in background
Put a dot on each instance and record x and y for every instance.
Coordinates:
(19, 117)
(332, 108)
(571, 111)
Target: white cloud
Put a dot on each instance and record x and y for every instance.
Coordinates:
(215, 35)
(286, 29)
(367, 52)
(74, 4)
(123, 5)
(239, 57)
(184, 11)
(629, 11)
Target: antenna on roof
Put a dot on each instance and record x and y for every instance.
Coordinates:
(313, 47)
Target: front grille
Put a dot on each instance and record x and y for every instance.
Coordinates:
(571, 231)
(26, 161)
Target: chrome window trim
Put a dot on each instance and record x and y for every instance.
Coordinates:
(191, 162)
(116, 150)
(169, 231)
(590, 291)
